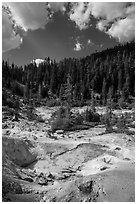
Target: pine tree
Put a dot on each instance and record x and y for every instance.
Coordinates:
(110, 102)
(39, 92)
(92, 101)
(68, 91)
(104, 92)
(120, 79)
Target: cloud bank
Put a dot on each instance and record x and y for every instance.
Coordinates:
(10, 40)
(116, 19)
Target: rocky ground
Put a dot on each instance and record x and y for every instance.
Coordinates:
(83, 166)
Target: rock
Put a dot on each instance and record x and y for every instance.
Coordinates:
(104, 168)
(59, 131)
(18, 150)
(34, 137)
(40, 174)
(11, 186)
(42, 181)
(50, 175)
(15, 118)
(5, 132)
(36, 192)
(117, 148)
(68, 170)
(79, 190)
(126, 158)
(55, 135)
(28, 179)
(44, 198)
(4, 126)
(86, 187)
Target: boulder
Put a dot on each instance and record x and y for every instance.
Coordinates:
(18, 151)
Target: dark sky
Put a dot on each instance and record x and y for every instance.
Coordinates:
(57, 39)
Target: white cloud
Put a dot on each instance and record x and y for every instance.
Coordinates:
(116, 19)
(80, 14)
(119, 20)
(108, 10)
(89, 42)
(10, 40)
(26, 16)
(57, 6)
(29, 15)
(78, 46)
(124, 30)
(22, 16)
(101, 25)
(112, 18)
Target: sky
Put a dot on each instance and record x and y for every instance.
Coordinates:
(36, 30)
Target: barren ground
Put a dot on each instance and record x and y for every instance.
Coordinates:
(85, 165)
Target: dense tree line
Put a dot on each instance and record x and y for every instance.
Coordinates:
(109, 74)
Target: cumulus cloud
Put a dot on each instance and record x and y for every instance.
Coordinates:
(10, 40)
(108, 10)
(116, 19)
(19, 17)
(123, 29)
(24, 16)
(80, 14)
(119, 19)
(78, 46)
(57, 6)
(29, 15)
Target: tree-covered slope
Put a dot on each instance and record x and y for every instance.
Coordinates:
(110, 73)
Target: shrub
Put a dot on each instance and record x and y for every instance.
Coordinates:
(106, 119)
(78, 103)
(114, 119)
(60, 113)
(66, 120)
(91, 116)
(61, 124)
(11, 103)
(121, 124)
(115, 105)
(62, 119)
(122, 103)
(53, 102)
(131, 105)
(77, 118)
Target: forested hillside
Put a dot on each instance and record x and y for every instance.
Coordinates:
(102, 75)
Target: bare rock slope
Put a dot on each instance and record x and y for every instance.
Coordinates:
(80, 166)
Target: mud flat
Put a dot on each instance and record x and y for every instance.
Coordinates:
(76, 166)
